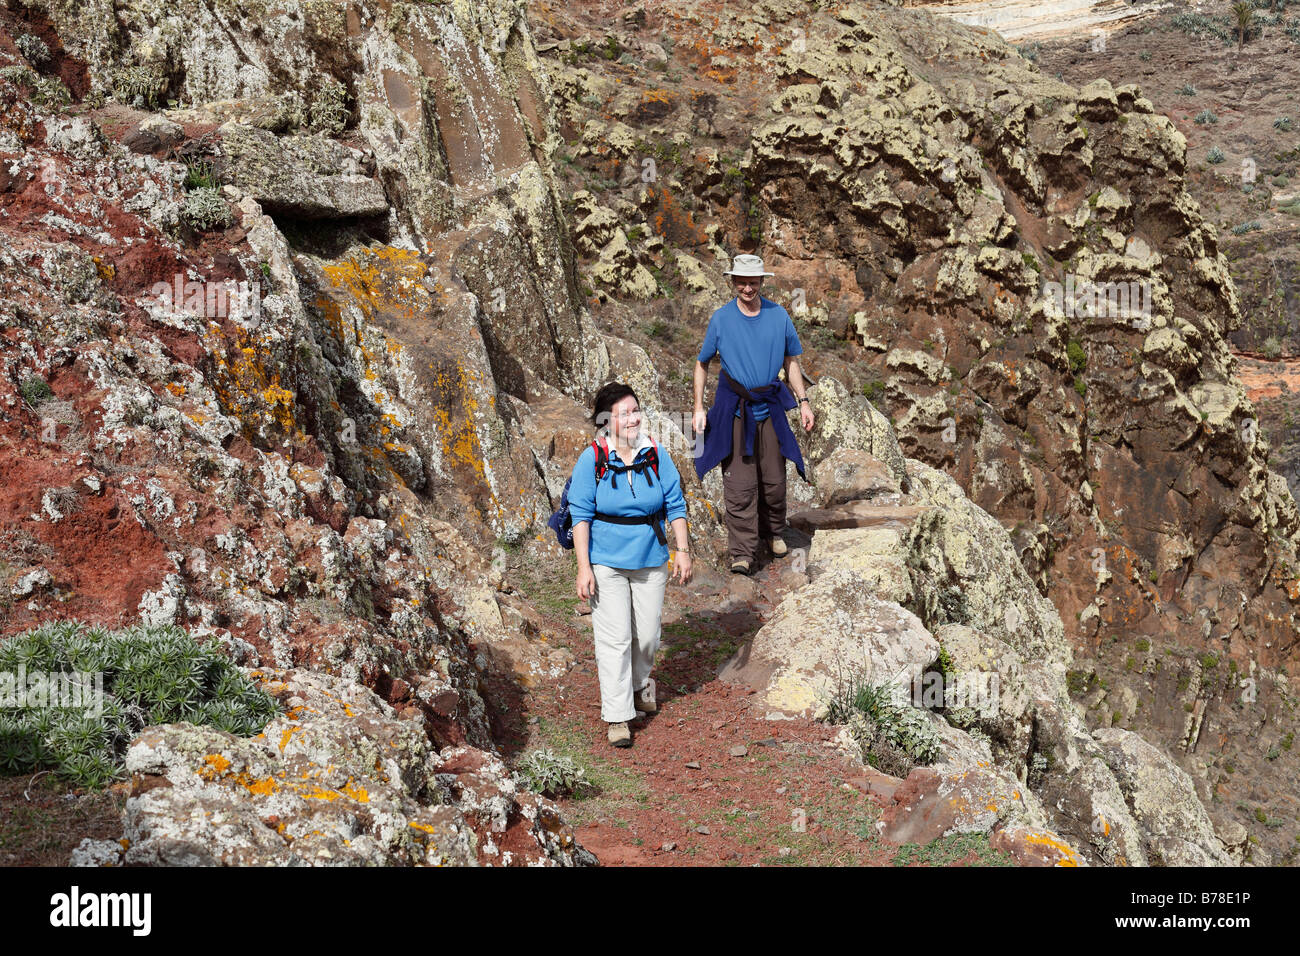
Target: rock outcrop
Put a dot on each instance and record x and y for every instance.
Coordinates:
(338, 780)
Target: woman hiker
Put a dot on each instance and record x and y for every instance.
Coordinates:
(619, 508)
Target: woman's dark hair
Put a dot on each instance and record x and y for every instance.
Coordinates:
(609, 395)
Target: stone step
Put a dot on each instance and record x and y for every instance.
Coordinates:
(855, 514)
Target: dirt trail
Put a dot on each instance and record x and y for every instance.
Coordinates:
(708, 781)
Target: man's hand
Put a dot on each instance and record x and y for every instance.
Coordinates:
(699, 420)
(806, 416)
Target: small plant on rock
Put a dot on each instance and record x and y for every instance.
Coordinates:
(329, 109)
(139, 86)
(547, 773)
(35, 390)
(1205, 117)
(893, 736)
(205, 209)
(1215, 156)
(33, 49)
(150, 675)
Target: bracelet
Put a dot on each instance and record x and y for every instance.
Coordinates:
(802, 400)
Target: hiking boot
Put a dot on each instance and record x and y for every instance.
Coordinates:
(778, 546)
(619, 735)
(740, 567)
(644, 701)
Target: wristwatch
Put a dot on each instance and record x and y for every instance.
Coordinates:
(802, 400)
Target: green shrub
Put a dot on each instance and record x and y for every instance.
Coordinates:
(1187, 90)
(1246, 227)
(32, 48)
(1283, 123)
(199, 174)
(329, 109)
(205, 209)
(1206, 117)
(610, 49)
(141, 86)
(151, 675)
(1080, 682)
(547, 773)
(1200, 24)
(1078, 358)
(1215, 156)
(46, 90)
(874, 718)
(873, 390)
(35, 390)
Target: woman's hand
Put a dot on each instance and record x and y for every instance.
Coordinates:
(682, 567)
(586, 584)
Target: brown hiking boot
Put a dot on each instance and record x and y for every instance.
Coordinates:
(740, 567)
(779, 547)
(619, 735)
(644, 701)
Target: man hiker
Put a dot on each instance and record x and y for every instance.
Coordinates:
(746, 429)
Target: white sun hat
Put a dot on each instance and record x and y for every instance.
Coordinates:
(745, 265)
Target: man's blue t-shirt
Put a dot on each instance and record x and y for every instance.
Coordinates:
(753, 348)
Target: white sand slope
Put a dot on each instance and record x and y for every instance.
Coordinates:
(1029, 20)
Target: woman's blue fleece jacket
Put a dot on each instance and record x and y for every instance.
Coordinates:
(627, 546)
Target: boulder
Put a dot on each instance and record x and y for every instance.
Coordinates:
(338, 779)
(306, 176)
(854, 475)
(1176, 829)
(825, 635)
(1035, 847)
(933, 803)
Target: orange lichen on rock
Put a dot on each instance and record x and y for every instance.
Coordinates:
(214, 766)
(248, 384)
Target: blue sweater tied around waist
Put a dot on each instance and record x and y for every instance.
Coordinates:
(718, 427)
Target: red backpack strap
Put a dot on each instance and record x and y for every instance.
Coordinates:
(602, 457)
(653, 457)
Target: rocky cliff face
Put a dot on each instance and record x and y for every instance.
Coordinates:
(439, 227)
(304, 448)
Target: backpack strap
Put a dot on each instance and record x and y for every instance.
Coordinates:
(653, 458)
(602, 457)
